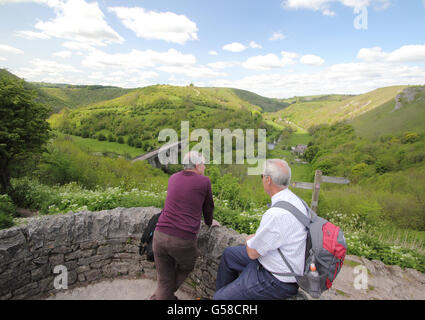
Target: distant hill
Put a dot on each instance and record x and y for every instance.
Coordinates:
(406, 112)
(309, 111)
(59, 96)
(71, 96)
(136, 118)
(266, 104)
(42, 97)
(167, 95)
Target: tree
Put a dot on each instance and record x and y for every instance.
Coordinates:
(23, 127)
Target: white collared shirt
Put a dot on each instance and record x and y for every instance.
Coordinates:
(280, 229)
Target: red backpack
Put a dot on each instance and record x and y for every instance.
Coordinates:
(326, 248)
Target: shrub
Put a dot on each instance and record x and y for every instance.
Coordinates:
(410, 137)
(111, 138)
(7, 211)
(30, 194)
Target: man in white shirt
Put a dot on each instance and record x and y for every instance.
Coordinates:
(249, 272)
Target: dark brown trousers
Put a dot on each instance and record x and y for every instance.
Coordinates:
(174, 260)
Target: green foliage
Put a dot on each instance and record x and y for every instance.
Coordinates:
(101, 137)
(387, 169)
(7, 211)
(266, 104)
(23, 127)
(227, 188)
(29, 193)
(65, 162)
(410, 137)
(140, 115)
(60, 96)
(366, 245)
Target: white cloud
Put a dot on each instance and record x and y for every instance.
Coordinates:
(166, 26)
(371, 54)
(269, 61)
(277, 36)
(50, 3)
(47, 71)
(239, 47)
(78, 46)
(137, 59)
(222, 64)
(213, 53)
(192, 71)
(31, 35)
(76, 20)
(324, 5)
(132, 79)
(96, 75)
(2, 59)
(311, 60)
(266, 62)
(329, 13)
(288, 57)
(255, 45)
(9, 49)
(346, 78)
(62, 54)
(408, 53)
(234, 47)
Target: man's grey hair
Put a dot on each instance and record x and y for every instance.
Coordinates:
(279, 176)
(191, 159)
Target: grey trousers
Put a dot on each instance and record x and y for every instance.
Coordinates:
(174, 260)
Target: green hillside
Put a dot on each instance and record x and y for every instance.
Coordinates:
(166, 95)
(74, 96)
(310, 111)
(59, 96)
(266, 104)
(404, 113)
(137, 117)
(55, 103)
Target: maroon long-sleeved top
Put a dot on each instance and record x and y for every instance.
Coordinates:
(189, 194)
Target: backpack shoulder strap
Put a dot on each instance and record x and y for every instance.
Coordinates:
(301, 217)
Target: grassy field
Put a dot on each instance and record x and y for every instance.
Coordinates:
(94, 145)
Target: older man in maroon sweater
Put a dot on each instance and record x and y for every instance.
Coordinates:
(175, 237)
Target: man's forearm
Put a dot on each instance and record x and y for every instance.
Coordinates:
(252, 253)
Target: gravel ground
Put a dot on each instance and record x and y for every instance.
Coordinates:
(117, 289)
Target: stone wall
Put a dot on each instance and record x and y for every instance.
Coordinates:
(94, 246)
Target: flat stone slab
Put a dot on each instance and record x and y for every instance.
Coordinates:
(117, 289)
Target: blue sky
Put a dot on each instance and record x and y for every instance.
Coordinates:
(276, 48)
